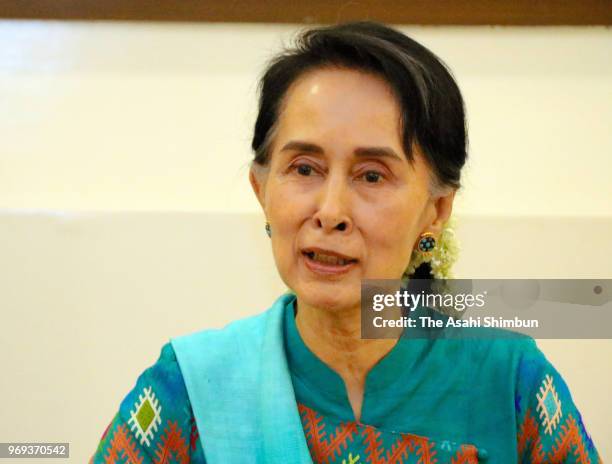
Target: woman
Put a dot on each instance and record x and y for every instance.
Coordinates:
(359, 145)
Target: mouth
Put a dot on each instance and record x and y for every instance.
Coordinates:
(327, 262)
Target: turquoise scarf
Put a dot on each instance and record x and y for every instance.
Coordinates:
(241, 393)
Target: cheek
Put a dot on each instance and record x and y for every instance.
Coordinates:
(390, 232)
(286, 223)
(286, 212)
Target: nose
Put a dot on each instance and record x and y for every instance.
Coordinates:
(333, 206)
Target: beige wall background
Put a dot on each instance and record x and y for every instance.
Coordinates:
(126, 216)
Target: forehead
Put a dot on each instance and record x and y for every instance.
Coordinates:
(329, 103)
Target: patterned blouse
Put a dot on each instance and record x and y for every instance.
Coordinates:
(155, 422)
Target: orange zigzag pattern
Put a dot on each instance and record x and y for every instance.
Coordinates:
(322, 448)
(172, 442)
(466, 455)
(404, 445)
(529, 433)
(569, 439)
(123, 443)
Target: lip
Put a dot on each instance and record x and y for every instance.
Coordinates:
(324, 268)
(327, 252)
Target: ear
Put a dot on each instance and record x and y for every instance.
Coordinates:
(258, 183)
(442, 207)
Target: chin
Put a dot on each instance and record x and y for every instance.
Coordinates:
(332, 296)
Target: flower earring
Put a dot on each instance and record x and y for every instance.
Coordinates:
(268, 229)
(441, 254)
(427, 242)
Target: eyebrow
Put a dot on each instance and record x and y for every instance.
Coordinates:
(360, 152)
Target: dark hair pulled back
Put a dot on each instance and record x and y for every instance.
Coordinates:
(431, 105)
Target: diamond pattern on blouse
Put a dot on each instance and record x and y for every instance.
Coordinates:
(549, 405)
(145, 417)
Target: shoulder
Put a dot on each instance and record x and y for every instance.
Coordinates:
(158, 402)
(497, 353)
(154, 417)
(240, 336)
(518, 358)
(494, 343)
(162, 383)
(237, 328)
(211, 348)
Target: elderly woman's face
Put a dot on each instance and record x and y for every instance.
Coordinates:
(342, 200)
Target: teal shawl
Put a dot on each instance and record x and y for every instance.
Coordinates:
(240, 389)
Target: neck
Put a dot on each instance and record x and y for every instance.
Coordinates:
(335, 338)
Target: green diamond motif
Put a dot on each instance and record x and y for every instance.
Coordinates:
(145, 415)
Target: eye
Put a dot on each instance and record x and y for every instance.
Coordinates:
(372, 177)
(304, 169)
